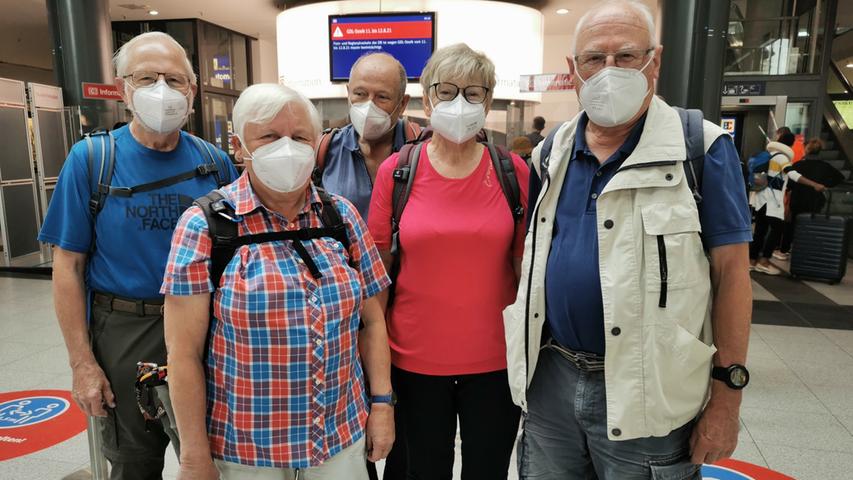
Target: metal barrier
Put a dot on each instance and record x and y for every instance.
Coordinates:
(100, 469)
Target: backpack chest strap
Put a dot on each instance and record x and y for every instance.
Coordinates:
(199, 171)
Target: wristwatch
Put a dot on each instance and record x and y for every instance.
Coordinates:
(734, 376)
(390, 399)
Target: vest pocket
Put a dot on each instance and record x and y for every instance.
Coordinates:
(672, 248)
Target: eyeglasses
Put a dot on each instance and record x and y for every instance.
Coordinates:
(178, 81)
(594, 61)
(446, 92)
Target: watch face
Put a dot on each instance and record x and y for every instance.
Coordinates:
(738, 376)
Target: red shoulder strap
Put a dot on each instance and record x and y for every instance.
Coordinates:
(411, 130)
(323, 149)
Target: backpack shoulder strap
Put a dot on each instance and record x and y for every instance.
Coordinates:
(545, 152)
(222, 230)
(692, 124)
(411, 131)
(505, 170)
(332, 219)
(216, 162)
(101, 182)
(404, 177)
(321, 154)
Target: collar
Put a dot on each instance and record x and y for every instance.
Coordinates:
(625, 149)
(349, 137)
(246, 201)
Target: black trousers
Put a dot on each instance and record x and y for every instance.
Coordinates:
(768, 233)
(488, 422)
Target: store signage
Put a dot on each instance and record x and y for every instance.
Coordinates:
(222, 69)
(101, 91)
(736, 470)
(742, 89)
(545, 82)
(37, 419)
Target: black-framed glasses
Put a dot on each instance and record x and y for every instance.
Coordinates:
(446, 91)
(143, 78)
(594, 61)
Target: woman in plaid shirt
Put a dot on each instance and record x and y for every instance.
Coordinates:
(271, 384)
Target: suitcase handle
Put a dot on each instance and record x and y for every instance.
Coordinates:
(827, 193)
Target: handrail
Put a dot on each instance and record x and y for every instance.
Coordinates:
(841, 77)
(839, 128)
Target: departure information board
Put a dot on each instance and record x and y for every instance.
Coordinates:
(409, 37)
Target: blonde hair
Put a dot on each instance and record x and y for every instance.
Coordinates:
(261, 102)
(122, 55)
(459, 61)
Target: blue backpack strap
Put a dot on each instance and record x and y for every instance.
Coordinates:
(545, 152)
(101, 182)
(692, 124)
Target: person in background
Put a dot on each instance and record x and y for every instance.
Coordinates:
(108, 265)
(458, 269)
(536, 135)
(522, 147)
(798, 147)
(801, 199)
(769, 204)
(265, 379)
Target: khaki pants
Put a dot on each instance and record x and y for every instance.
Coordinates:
(348, 464)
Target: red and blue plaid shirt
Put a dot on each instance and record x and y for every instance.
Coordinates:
(285, 386)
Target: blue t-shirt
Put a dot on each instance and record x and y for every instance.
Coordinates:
(133, 234)
(574, 307)
(345, 172)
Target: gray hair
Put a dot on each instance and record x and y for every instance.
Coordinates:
(122, 55)
(459, 61)
(640, 9)
(404, 80)
(261, 102)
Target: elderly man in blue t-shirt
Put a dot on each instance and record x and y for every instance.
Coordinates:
(111, 242)
(643, 334)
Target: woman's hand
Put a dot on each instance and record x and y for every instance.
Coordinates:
(819, 187)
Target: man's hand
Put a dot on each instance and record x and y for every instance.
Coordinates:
(91, 389)
(715, 434)
(197, 469)
(380, 431)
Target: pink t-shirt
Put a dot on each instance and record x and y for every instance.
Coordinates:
(456, 274)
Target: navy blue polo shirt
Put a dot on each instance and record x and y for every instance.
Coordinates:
(345, 172)
(574, 308)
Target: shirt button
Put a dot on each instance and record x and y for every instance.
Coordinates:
(616, 331)
(669, 176)
(317, 381)
(594, 196)
(608, 224)
(598, 174)
(318, 342)
(317, 421)
(616, 432)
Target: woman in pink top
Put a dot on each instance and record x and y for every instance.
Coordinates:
(461, 251)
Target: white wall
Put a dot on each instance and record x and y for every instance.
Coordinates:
(556, 107)
(268, 58)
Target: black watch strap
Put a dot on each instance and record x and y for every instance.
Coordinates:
(735, 376)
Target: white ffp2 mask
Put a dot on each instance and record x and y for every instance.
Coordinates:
(614, 95)
(457, 120)
(370, 121)
(283, 165)
(160, 108)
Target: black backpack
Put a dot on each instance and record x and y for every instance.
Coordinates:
(404, 177)
(102, 183)
(222, 227)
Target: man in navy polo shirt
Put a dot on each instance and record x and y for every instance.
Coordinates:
(377, 97)
(108, 265)
(631, 308)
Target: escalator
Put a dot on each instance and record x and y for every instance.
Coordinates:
(838, 139)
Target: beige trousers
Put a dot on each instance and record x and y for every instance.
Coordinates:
(348, 464)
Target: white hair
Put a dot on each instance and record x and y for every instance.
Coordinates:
(640, 9)
(261, 102)
(122, 55)
(400, 68)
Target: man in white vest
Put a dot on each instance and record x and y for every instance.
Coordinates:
(627, 343)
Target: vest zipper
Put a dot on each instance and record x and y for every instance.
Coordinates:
(533, 219)
(663, 271)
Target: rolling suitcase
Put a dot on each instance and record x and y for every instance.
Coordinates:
(821, 242)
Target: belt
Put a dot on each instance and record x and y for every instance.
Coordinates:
(584, 361)
(140, 307)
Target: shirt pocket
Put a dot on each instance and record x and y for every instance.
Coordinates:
(672, 248)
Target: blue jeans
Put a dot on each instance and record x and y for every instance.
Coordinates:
(565, 433)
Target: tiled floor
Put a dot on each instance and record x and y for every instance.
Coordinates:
(797, 415)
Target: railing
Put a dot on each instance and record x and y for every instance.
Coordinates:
(773, 46)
